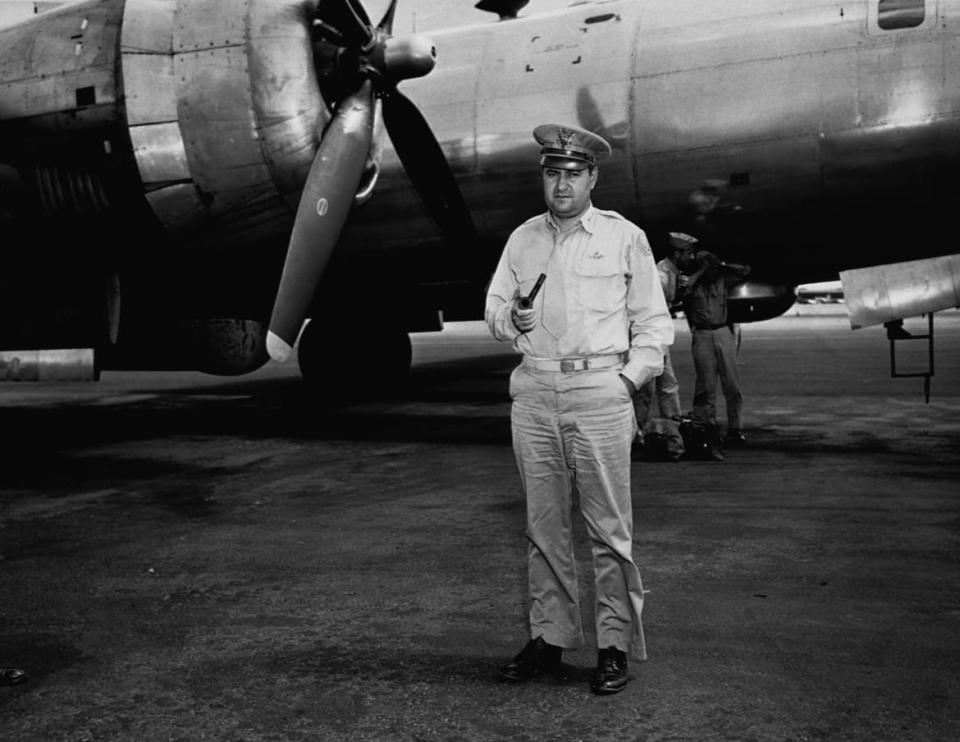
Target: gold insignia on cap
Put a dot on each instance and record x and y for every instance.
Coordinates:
(565, 138)
(569, 147)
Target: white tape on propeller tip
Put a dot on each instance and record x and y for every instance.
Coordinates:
(278, 348)
(356, 118)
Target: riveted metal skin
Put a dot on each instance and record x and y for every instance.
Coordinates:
(186, 129)
(224, 112)
(62, 107)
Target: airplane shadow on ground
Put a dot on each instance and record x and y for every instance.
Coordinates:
(52, 446)
(438, 403)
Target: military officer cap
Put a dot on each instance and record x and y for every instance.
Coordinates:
(682, 241)
(569, 147)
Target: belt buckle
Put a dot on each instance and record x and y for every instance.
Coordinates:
(567, 366)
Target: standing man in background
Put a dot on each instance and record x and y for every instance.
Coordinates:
(596, 332)
(665, 389)
(705, 281)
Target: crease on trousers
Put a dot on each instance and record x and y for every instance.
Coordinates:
(573, 432)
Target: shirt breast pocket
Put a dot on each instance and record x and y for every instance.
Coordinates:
(601, 284)
(527, 270)
(526, 282)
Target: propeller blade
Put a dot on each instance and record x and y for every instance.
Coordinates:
(386, 23)
(324, 206)
(427, 167)
(348, 18)
(359, 13)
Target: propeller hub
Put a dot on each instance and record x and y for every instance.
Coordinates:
(408, 57)
(356, 60)
(348, 48)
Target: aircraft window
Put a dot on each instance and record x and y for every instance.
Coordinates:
(894, 14)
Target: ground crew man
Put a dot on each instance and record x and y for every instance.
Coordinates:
(705, 282)
(665, 389)
(595, 332)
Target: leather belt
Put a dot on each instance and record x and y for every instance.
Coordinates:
(568, 365)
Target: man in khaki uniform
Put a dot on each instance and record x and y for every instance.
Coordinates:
(665, 389)
(705, 283)
(596, 332)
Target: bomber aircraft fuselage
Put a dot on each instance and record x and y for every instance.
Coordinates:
(154, 156)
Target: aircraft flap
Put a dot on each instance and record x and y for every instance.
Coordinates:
(883, 293)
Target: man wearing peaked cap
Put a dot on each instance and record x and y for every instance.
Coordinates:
(682, 241)
(663, 393)
(705, 283)
(594, 333)
(569, 147)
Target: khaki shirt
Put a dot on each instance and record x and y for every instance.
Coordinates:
(614, 302)
(706, 304)
(668, 279)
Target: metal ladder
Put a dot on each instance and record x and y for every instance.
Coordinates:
(895, 334)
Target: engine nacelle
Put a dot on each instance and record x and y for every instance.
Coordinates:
(222, 347)
(223, 110)
(752, 301)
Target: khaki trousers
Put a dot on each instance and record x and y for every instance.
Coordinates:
(715, 355)
(666, 387)
(572, 433)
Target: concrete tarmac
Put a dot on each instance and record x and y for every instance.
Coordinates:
(184, 557)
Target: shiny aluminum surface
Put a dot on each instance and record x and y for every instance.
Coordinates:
(224, 112)
(155, 133)
(805, 111)
(884, 293)
(47, 59)
(833, 129)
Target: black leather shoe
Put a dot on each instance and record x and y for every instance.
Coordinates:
(715, 454)
(611, 673)
(537, 658)
(12, 676)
